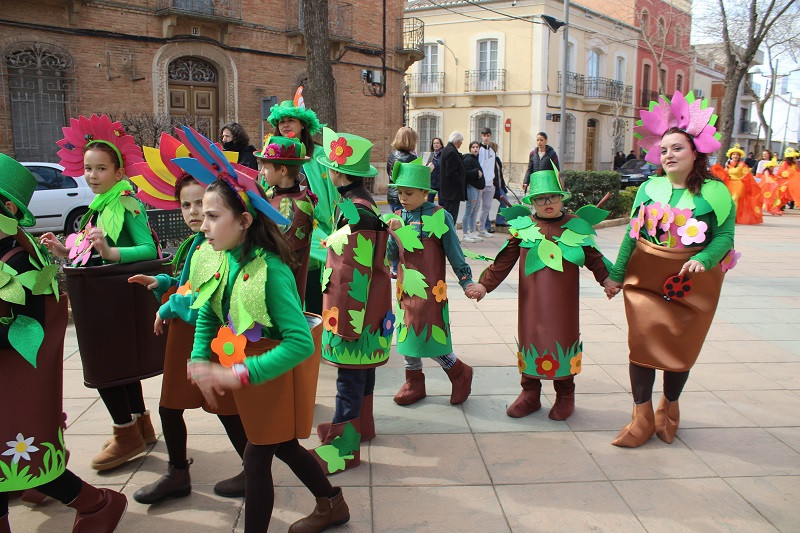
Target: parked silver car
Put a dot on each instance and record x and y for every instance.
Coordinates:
(59, 201)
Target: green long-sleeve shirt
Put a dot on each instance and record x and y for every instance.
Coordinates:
(178, 305)
(283, 307)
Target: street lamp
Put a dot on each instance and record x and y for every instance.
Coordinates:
(554, 24)
(441, 41)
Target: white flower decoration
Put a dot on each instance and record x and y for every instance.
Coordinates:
(20, 448)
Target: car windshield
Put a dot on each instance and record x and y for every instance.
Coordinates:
(635, 164)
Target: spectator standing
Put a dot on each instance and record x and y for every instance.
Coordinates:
(235, 139)
(631, 156)
(453, 175)
(619, 160)
(542, 158)
(766, 157)
(500, 191)
(403, 150)
(471, 164)
(433, 162)
(751, 162)
(487, 158)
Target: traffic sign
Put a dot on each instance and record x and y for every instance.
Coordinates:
(508, 124)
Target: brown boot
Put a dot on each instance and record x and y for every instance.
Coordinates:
(176, 483)
(413, 390)
(4, 527)
(33, 496)
(126, 444)
(667, 418)
(460, 376)
(328, 512)
(366, 420)
(564, 405)
(232, 487)
(99, 510)
(340, 442)
(322, 430)
(146, 428)
(529, 400)
(639, 429)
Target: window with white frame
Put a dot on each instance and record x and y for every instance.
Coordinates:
(427, 128)
(482, 120)
(570, 55)
(429, 69)
(679, 83)
(487, 64)
(569, 128)
(592, 74)
(619, 69)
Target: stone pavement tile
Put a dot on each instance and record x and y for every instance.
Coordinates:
(508, 332)
(606, 353)
(706, 410)
(495, 380)
(469, 335)
(293, 503)
(731, 332)
(786, 375)
(789, 436)
(501, 318)
(581, 506)
(199, 422)
(436, 509)
(593, 378)
(389, 380)
(713, 354)
(75, 407)
(654, 460)
(747, 316)
(96, 421)
(480, 355)
(605, 411)
(775, 497)
(151, 390)
(792, 346)
(83, 447)
(433, 414)
(403, 460)
(741, 451)
(706, 504)
(467, 318)
(326, 382)
(773, 331)
(768, 408)
(487, 414)
(72, 359)
(74, 387)
(523, 458)
(730, 377)
(751, 351)
(50, 515)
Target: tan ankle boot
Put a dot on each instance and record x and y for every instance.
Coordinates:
(413, 390)
(667, 418)
(460, 376)
(99, 510)
(529, 400)
(639, 429)
(328, 512)
(126, 444)
(146, 428)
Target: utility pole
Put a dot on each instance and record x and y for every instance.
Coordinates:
(562, 127)
(772, 111)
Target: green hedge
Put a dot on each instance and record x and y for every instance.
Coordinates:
(589, 187)
(626, 198)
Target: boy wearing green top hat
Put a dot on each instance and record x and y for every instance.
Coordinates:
(424, 235)
(551, 246)
(279, 164)
(356, 301)
(32, 352)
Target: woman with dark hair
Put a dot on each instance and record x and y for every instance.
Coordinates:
(235, 139)
(543, 158)
(473, 194)
(669, 264)
(619, 160)
(433, 162)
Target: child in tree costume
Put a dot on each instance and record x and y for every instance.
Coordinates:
(423, 235)
(279, 167)
(552, 246)
(164, 185)
(742, 185)
(33, 321)
(112, 317)
(356, 300)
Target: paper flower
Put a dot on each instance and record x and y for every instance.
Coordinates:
(681, 216)
(693, 231)
(253, 334)
(80, 247)
(20, 447)
(229, 347)
(546, 365)
(340, 151)
(184, 289)
(671, 239)
(273, 150)
(440, 291)
(330, 319)
(654, 214)
(521, 364)
(730, 260)
(637, 223)
(666, 218)
(399, 290)
(387, 325)
(575, 363)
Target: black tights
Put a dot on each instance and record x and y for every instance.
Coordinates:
(174, 428)
(259, 489)
(64, 488)
(122, 401)
(643, 378)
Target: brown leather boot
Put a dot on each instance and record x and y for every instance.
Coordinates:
(413, 390)
(232, 487)
(126, 444)
(322, 430)
(176, 483)
(564, 405)
(99, 510)
(328, 512)
(529, 400)
(340, 442)
(460, 376)
(667, 418)
(146, 428)
(639, 429)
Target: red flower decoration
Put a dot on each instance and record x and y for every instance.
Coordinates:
(546, 365)
(340, 151)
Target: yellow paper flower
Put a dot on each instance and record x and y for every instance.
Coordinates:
(440, 291)
(330, 319)
(575, 363)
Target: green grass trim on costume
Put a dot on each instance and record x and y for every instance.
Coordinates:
(54, 461)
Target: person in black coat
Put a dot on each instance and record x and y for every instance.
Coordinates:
(235, 139)
(453, 175)
(542, 158)
(619, 160)
(631, 156)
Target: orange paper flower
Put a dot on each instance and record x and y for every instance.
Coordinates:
(575, 363)
(440, 291)
(521, 364)
(330, 319)
(399, 290)
(185, 289)
(229, 347)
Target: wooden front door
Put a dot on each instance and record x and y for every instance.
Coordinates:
(591, 126)
(193, 95)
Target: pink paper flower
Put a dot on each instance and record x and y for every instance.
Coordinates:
(730, 260)
(637, 223)
(666, 218)
(671, 239)
(693, 231)
(80, 247)
(680, 216)
(654, 213)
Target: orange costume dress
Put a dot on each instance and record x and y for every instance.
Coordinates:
(774, 193)
(746, 193)
(789, 175)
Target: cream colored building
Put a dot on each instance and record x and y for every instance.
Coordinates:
(487, 63)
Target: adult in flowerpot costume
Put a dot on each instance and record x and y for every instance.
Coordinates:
(669, 262)
(291, 118)
(34, 319)
(164, 185)
(552, 245)
(789, 174)
(742, 185)
(356, 301)
(112, 317)
(279, 167)
(424, 234)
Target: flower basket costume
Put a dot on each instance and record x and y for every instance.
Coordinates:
(775, 195)
(742, 185)
(789, 175)
(669, 317)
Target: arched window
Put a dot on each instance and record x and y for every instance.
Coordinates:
(41, 91)
(645, 21)
(427, 128)
(662, 30)
(484, 119)
(193, 97)
(678, 37)
(569, 128)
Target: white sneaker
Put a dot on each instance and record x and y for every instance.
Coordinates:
(475, 238)
(484, 234)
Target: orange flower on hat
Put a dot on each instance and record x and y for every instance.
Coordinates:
(575, 363)
(330, 319)
(440, 291)
(229, 347)
(340, 151)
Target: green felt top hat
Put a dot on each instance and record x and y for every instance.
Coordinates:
(346, 153)
(414, 175)
(17, 184)
(545, 182)
(283, 151)
(287, 108)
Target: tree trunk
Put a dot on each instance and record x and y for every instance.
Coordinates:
(727, 111)
(319, 93)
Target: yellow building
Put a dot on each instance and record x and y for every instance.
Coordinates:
(487, 62)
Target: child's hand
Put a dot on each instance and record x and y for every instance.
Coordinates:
(476, 291)
(611, 287)
(54, 245)
(148, 281)
(395, 224)
(212, 379)
(158, 326)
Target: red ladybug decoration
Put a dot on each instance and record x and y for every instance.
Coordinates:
(677, 287)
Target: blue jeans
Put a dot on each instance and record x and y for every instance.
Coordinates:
(471, 212)
(486, 197)
(395, 207)
(351, 386)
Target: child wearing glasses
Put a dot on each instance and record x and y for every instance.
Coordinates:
(551, 245)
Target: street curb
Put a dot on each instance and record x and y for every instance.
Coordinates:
(611, 223)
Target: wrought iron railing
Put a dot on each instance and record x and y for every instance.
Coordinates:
(600, 88)
(225, 9)
(485, 80)
(340, 18)
(413, 30)
(646, 96)
(425, 83)
(574, 83)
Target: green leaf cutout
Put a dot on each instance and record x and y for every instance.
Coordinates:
(242, 320)
(579, 226)
(348, 442)
(112, 219)
(305, 207)
(338, 239)
(570, 238)
(550, 253)
(26, 335)
(349, 211)
(131, 204)
(357, 319)
(592, 214)
(659, 189)
(414, 282)
(205, 263)
(532, 262)
(717, 194)
(8, 225)
(521, 222)
(326, 277)
(363, 251)
(330, 455)
(530, 233)
(573, 254)
(359, 286)
(300, 233)
(473, 255)
(13, 291)
(435, 224)
(409, 238)
(28, 279)
(252, 293)
(44, 280)
(438, 335)
(686, 201)
(515, 211)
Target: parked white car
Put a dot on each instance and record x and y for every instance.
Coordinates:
(59, 201)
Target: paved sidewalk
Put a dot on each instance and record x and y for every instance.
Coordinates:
(735, 465)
